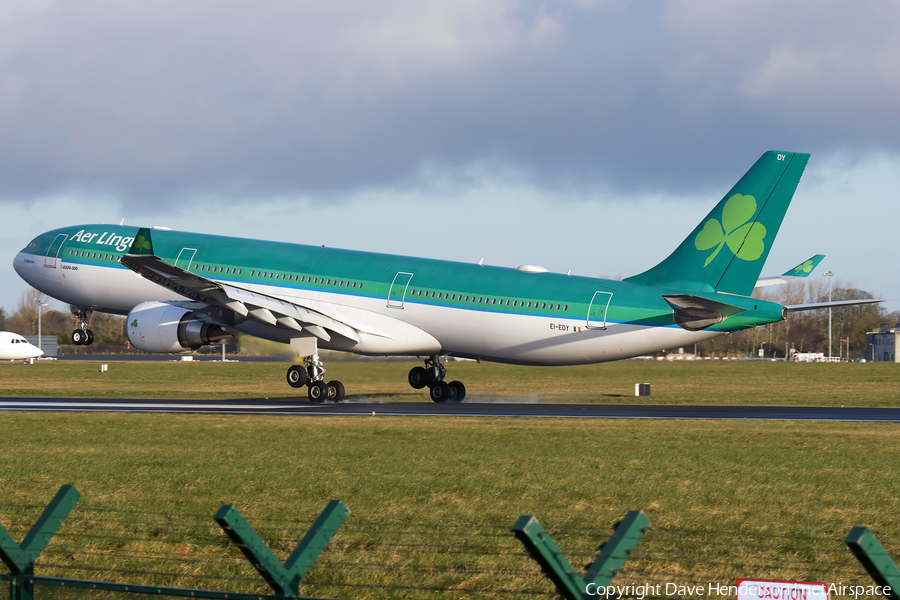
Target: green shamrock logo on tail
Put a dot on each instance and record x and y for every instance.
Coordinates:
(745, 240)
(805, 267)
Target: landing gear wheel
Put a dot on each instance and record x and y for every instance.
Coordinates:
(79, 337)
(335, 391)
(318, 392)
(440, 391)
(418, 378)
(296, 376)
(90, 338)
(459, 389)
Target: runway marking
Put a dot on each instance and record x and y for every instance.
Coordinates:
(422, 409)
(148, 405)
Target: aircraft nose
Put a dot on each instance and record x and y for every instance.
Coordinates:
(22, 267)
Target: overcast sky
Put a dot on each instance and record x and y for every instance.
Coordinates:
(583, 135)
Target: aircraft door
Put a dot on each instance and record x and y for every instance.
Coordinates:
(597, 311)
(185, 258)
(53, 252)
(398, 289)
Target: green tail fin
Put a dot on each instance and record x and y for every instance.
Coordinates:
(726, 251)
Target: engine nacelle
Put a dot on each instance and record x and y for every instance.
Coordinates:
(162, 327)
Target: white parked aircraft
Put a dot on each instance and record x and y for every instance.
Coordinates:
(14, 347)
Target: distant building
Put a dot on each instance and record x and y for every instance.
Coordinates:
(882, 345)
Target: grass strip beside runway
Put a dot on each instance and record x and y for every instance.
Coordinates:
(448, 489)
(719, 383)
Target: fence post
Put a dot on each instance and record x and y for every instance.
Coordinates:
(20, 558)
(284, 579)
(613, 554)
(547, 554)
(877, 562)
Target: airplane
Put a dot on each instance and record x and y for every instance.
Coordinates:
(801, 271)
(182, 290)
(14, 347)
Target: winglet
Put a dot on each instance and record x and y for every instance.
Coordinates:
(142, 244)
(801, 271)
(805, 268)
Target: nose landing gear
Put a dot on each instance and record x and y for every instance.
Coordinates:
(432, 376)
(82, 336)
(312, 374)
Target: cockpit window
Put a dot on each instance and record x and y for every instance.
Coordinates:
(32, 245)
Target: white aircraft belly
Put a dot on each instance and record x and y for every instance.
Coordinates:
(110, 288)
(503, 337)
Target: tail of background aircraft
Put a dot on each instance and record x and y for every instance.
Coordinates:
(726, 251)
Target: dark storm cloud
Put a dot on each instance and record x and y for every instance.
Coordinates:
(168, 100)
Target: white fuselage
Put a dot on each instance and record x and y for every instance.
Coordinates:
(14, 347)
(413, 329)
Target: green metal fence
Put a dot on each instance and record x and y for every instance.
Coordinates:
(69, 553)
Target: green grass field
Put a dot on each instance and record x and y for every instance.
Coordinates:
(432, 499)
(738, 383)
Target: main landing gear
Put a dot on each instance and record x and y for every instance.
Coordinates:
(82, 336)
(312, 374)
(432, 375)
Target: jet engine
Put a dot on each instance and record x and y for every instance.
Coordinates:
(162, 327)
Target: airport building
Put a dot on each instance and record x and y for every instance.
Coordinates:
(881, 345)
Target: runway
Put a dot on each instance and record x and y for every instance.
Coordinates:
(465, 409)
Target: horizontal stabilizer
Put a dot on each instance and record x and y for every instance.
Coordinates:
(835, 304)
(678, 301)
(695, 313)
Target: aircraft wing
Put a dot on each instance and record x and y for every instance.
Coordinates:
(260, 307)
(799, 272)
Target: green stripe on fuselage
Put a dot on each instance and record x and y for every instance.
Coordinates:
(313, 268)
